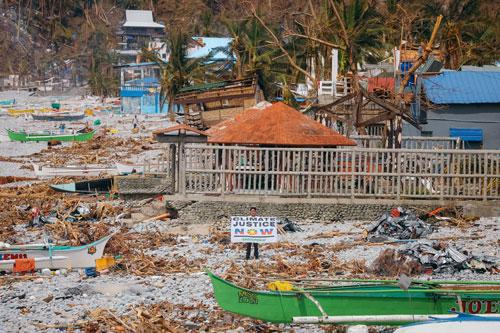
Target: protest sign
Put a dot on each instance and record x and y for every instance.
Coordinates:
(254, 229)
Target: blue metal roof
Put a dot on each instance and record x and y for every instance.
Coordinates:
(467, 134)
(463, 87)
(147, 81)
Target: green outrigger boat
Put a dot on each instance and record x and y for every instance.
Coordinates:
(376, 302)
(24, 137)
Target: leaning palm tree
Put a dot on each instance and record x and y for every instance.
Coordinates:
(178, 71)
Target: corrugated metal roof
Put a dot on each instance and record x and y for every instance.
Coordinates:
(205, 45)
(140, 19)
(204, 86)
(147, 81)
(276, 125)
(181, 128)
(485, 68)
(463, 88)
(384, 83)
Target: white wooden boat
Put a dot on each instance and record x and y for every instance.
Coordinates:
(125, 169)
(79, 256)
(73, 170)
(89, 170)
(463, 323)
(55, 262)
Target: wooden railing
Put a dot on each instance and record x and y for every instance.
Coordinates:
(352, 173)
(411, 142)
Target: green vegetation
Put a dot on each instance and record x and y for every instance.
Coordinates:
(179, 71)
(278, 41)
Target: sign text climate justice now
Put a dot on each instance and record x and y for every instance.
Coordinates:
(254, 229)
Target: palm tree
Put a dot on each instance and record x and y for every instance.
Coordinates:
(359, 28)
(354, 27)
(252, 54)
(179, 71)
(465, 28)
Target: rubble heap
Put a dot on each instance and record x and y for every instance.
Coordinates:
(440, 258)
(398, 224)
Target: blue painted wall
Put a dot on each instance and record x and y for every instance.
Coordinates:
(483, 116)
(140, 99)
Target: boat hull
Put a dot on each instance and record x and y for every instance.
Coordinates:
(41, 171)
(20, 112)
(126, 169)
(7, 102)
(24, 137)
(56, 262)
(459, 324)
(283, 307)
(79, 256)
(103, 185)
(58, 117)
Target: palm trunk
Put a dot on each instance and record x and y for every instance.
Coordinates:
(170, 113)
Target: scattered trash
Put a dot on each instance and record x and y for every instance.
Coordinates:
(398, 224)
(48, 298)
(24, 265)
(91, 272)
(104, 263)
(290, 226)
(280, 286)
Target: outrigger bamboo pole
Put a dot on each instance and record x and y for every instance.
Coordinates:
(437, 282)
(377, 318)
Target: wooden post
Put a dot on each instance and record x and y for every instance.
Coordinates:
(441, 172)
(397, 160)
(173, 166)
(266, 168)
(309, 171)
(223, 172)
(485, 181)
(353, 166)
(182, 169)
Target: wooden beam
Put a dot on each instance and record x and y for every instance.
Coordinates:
(338, 101)
(377, 119)
(211, 99)
(394, 109)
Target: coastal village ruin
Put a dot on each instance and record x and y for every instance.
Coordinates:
(353, 146)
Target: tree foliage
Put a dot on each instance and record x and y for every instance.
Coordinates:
(179, 71)
(38, 36)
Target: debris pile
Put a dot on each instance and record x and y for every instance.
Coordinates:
(102, 149)
(394, 263)
(398, 224)
(168, 317)
(431, 257)
(437, 257)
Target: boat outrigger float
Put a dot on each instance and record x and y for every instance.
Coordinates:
(375, 302)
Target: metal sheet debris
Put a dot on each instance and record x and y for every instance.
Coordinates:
(399, 224)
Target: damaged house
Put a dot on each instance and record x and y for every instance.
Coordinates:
(464, 104)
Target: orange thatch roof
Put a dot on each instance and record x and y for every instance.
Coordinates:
(277, 125)
(182, 128)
